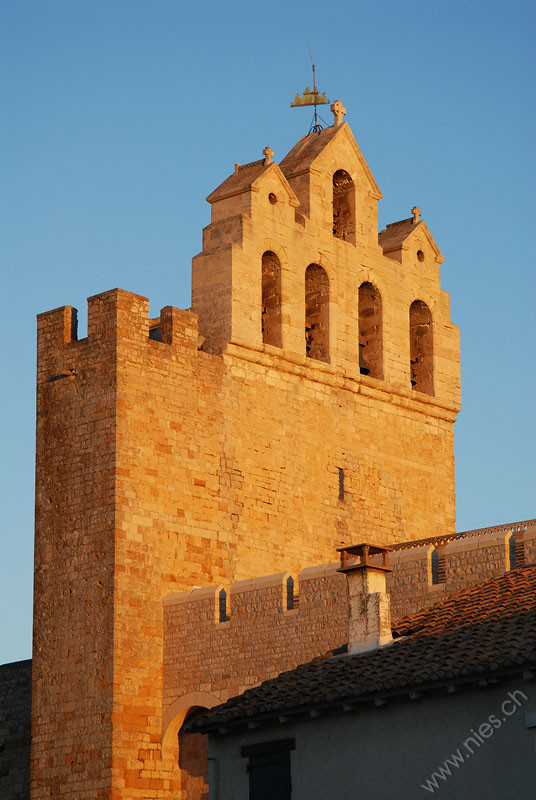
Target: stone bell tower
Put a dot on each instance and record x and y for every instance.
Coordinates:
(307, 399)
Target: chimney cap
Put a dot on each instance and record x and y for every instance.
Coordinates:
(363, 551)
(357, 549)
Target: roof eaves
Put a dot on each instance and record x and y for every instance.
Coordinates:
(352, 701)
(505, 644)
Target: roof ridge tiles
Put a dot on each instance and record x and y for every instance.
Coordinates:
(260, 162)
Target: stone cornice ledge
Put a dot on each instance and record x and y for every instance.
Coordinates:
(320, 372)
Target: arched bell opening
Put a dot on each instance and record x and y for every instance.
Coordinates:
(316, 313)
(271, 300)
(370, 331)
(343, 206)
(421, 347)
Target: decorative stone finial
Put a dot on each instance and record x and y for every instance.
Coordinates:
(338, 112)
(268, 154)
(416, 214)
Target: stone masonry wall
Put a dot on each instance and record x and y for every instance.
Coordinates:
(261, 638)
(161, 467)
(470, 558)
(15, 708)
(72, 661)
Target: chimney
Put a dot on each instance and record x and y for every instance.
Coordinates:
(369, 625)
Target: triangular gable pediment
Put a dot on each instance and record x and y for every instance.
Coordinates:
(397, 234)
(305, 153)
(274, 171)
(250, 177)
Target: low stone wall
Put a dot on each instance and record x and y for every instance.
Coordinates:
(261, 638)
(222, 650)
(467, 558)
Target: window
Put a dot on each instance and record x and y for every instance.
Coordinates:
(155, 330)
(437, 560)
(343, 206)
(512, 554)
(271, 299)
(269, 769)
(341, 483)
(370, 331)
(316, 313)
(222, 606)
(421, 348)
(292, 594)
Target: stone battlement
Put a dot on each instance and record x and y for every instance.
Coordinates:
(262, 636)
(115, 313)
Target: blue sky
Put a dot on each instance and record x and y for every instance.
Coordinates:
(120, 116)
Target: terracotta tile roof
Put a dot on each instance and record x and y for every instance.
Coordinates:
(485, 631)
(395, 233)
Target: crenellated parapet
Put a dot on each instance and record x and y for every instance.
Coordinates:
(113, 317)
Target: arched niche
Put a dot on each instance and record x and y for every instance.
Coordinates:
(188, 755)
(343, 206)
(370, 331)
(271, 299)
(317, 313)
(421, 347)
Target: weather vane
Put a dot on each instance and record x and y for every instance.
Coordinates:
(311, 98)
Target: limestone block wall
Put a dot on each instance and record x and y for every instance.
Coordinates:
(410, 585)
(74, 554)
(161, 467)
